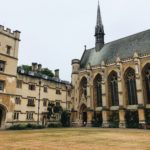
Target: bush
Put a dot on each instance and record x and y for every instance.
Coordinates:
(114, 119)
(97, 119)
(65, 119)
(25, 127)
(17, 127)
(54, 125)
(34, 126)
(132, 119)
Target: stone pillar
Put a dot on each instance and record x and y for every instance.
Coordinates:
(104, 98)
(88, 96)
(119, 75)
(90, 115)
(122, 122)
(105, 115)
(139, 87)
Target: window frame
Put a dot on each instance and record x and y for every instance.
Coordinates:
(16, 115)
(2, 65)
(32, 87)
(3, 87)
(29, 115)
(18, 101)
(31, 102)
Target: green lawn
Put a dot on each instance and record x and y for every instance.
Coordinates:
(75, 139)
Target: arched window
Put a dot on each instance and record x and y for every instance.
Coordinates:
(98, 90)
(131, 86)
(83, 88)
(113, 89)
(146, 79)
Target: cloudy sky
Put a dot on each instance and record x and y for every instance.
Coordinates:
(53, 32)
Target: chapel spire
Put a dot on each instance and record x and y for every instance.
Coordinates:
(99, 31)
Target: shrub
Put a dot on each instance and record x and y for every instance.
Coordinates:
(97, 119)
(132, 119)
(17, 127)
(25, 127)
(65, 119)
(54, 125)
(114, 119)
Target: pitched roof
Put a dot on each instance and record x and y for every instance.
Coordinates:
(123, 48)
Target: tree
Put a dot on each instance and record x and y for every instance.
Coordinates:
(47, 72)
(44, 71)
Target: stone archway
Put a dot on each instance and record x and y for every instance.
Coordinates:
(3, 111)
(83, 115)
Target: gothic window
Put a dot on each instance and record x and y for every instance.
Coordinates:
(131, 86)
(98, 91)
(113, 88)
(83, 87)
(146, 76)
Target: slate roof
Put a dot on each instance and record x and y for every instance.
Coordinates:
(123, 48)
(37, 75)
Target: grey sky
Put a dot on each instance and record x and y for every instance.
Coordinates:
(55, 31)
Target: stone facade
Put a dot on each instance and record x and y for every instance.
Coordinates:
(24, 97)
(113, 93)
(104, 70)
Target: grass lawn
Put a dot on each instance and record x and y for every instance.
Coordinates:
(75, 139)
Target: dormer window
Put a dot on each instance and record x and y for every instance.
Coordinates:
(2, 66)
(8, 49)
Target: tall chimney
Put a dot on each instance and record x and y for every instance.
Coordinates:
(39, 67)
(57, 73)
(34, 66)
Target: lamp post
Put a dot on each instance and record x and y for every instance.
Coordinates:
(38, 120)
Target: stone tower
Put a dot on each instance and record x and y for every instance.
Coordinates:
(99, 31)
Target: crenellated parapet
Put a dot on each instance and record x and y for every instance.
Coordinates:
(8, 32)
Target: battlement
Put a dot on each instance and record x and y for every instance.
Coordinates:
(13, 34)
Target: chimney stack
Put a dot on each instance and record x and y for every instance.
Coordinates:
(39, 67)
(34, 66)
(57, 73)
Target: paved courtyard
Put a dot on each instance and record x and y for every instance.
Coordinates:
(75, 139)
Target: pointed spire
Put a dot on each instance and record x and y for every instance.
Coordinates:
(99, 30)
(99, 18)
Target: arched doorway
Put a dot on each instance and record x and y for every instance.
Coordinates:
(83, 113)
(2, 115)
